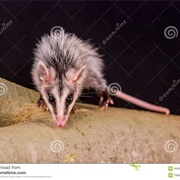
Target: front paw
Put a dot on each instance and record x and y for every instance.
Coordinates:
(41, 104)
(74, 110)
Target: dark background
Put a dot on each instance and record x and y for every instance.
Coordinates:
(139, 57)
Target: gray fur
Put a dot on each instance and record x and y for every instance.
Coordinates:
(63, 57)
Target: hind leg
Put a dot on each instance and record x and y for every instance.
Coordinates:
(98, 83)
(105, 99)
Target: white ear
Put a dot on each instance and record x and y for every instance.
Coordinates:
(43, 72)
(78, 74)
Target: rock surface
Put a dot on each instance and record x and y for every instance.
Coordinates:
(28, 134)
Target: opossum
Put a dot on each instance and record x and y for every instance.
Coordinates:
(63, 66)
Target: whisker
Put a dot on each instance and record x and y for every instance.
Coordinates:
(87, 96)
(90, 93)
(80, 101)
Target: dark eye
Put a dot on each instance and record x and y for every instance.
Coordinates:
(69, 99)
(51, 98)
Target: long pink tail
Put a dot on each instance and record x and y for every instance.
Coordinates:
(141, 103)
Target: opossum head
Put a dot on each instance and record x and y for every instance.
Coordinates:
(59, 90)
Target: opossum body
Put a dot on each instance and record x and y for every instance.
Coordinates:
(63, 66)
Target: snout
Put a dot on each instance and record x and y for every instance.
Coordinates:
(60, 121)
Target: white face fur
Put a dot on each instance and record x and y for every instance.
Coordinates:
(59, 97)
(60, 105)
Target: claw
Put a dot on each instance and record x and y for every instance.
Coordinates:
(104, 102)
(74, 110)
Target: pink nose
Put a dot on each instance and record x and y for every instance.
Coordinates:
(60, 121)
(60, 124)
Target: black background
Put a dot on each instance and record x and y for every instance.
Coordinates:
(138, 57)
